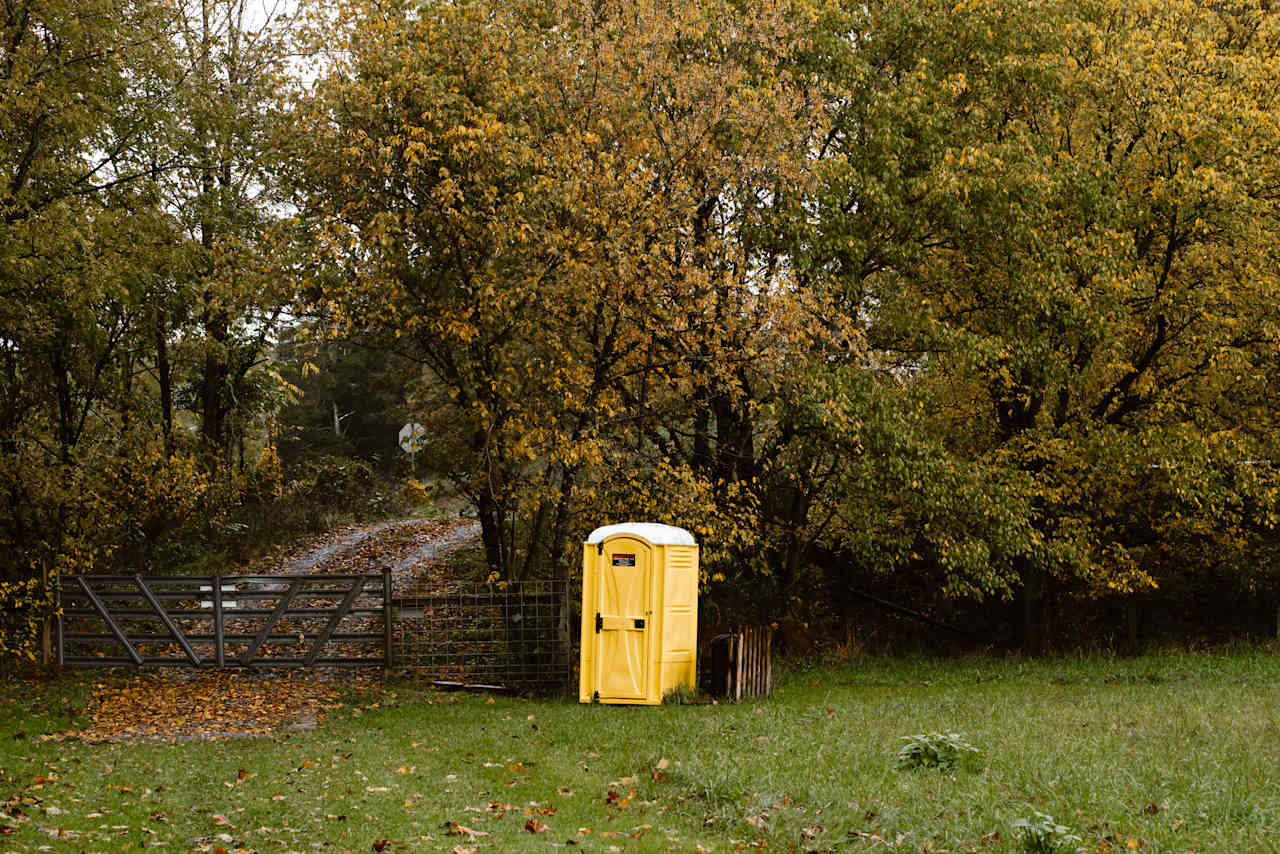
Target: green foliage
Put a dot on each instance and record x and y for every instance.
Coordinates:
(681, 695)
(1061, 296)
(1040, 834)
(24, 605)
(944, 751)
(135, 298)
(979, 300)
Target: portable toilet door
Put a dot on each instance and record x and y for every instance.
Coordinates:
(639, 613)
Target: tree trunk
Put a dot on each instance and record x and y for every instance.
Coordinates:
(126, 392)
(1132, 619)
(62, 388)
(164, 376)
(1032, 609)
(560, 530)
(491, 532)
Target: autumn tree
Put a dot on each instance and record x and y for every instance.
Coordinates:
(565, 214)
(93, 261)
(1082, 294)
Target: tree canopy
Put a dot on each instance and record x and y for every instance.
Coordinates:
(973, 302)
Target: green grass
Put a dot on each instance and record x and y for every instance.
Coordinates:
(1175, 752)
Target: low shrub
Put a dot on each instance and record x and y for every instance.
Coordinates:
(941, 750)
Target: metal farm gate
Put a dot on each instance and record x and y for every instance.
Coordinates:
(513, 636)
(224, 620)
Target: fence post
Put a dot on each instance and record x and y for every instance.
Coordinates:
(563, 635)
(387, 637)
(57, 617)
(46, 625)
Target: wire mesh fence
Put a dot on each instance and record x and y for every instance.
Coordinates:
(514, 636)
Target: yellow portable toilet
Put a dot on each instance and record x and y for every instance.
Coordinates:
(639, 613)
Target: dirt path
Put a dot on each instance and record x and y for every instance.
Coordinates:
(413, 548)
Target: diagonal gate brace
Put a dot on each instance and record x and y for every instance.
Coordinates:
(164, 618)
(283, 605)
(106, 618)
(357, 587)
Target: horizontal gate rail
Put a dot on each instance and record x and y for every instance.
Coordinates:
(336, 620)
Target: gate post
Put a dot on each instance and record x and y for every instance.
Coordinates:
(219, 644)
(386, 617)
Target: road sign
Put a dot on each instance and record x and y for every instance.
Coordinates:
(412, 438)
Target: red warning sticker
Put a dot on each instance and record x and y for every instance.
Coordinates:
(624, 560)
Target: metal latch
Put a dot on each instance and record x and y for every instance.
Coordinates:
(639, 622)
(600, 547)
(599, 622)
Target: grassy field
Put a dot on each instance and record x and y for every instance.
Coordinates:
(1161, 753)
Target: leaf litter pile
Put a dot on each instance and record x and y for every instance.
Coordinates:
(225, 704)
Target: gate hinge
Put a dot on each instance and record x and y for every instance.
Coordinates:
(595, 697)
(599, 622)
(600, 547)
(639, 622)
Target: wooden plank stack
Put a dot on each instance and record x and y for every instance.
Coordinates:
(751, 662)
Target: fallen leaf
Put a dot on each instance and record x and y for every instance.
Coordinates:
(534, 826)
(456, 829)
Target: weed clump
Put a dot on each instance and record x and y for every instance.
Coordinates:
(1040, 834)
(941, 750)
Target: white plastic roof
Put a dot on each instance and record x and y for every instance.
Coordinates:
(658, 535)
